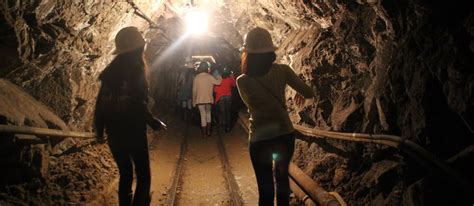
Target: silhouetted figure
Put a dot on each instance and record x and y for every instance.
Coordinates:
(202, 95)
(121, 110)
(262, 88)
(185, 91)
(224, 98)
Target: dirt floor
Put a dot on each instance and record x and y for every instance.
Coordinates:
(202, 181)
(164, 154)
(87, 174)
(236, 147)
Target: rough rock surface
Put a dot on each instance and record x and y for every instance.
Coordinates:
(71, 178)
(55, 49)
(396, 67)
(18, 108)
(399, 67)
(42, 170)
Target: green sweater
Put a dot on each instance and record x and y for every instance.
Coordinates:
(268, 119)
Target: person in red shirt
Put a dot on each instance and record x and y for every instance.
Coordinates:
(224, 98)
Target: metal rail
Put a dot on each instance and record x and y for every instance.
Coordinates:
(311, 188)
(300, 194)
(302, 183)
(232, 185)
(171, 194)
(230, 179)
(389, 140)
(393, 141)
(45, 132)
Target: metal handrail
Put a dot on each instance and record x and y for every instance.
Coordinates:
(389, 140)
(45, 132)
(303, 182)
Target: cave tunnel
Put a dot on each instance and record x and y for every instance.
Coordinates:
(391, 121)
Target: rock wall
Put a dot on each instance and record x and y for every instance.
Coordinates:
(56, 49)
(396, 67)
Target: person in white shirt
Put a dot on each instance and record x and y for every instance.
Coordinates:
(202, 95)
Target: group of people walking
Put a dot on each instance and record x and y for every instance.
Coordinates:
(122, 112)
(207, 88)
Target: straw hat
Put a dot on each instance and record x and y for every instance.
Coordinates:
(128, 39)
(258, 40)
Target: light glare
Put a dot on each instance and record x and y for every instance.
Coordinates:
(196, 22)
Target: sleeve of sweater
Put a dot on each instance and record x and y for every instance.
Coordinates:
(216, 80)
(299, 86)
(243, 91)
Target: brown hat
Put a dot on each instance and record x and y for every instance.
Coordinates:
(128, 39)
(258, 40)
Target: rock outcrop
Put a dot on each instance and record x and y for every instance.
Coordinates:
(396, 67)
(18, 108)
(55, 49)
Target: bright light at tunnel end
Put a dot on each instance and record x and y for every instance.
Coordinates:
(196, 22)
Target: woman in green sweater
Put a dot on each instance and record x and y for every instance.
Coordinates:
(271, 138)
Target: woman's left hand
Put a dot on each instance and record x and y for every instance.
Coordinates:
(156, 124)
(300, 101)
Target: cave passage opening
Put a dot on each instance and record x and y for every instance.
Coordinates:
(390, 67)
(169, 61)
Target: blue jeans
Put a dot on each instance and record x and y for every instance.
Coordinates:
(224, 111)
(279, 149)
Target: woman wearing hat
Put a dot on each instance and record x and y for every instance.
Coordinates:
(224, 98)
(202, 95)
(271, 137)
(121, 110)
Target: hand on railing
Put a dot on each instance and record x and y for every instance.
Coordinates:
(300, 101)
(100, 138)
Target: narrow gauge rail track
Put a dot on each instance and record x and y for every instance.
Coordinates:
(173, 193)
(233, 187)
(173, 189)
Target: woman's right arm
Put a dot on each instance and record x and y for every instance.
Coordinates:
(297, 84)
(243, 91)
(215, 80)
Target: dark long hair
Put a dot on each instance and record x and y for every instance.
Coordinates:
(130, 67)
(126, 65)
(257, 64)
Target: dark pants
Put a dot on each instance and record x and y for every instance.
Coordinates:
(129, 149)
(279, 149)
(224, 111)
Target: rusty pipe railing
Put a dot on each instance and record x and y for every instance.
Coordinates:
(393, 141)
(301, 194)
(310, 187)
(389, 140)
(303, 182)
(45, 132)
